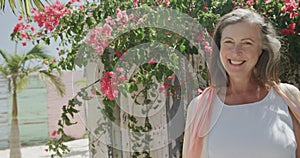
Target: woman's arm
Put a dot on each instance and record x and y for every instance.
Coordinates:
(293, 93)
(296, 126)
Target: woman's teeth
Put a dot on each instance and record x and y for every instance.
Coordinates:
(236, 62)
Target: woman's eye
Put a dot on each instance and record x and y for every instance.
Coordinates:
(247, 43)
(228, 42)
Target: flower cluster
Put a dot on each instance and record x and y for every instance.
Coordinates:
(206, 45)
(51, 15)
(290, 29)
(109, 83)
(291, 7)
(23, 31)
(99, 37)
(48, 19)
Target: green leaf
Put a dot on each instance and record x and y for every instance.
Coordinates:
(132, 87)
(182, 47)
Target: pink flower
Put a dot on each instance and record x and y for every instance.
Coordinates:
(135, 4)
(18, 27)
(81, 8)
(118, 10)
(118, 53)
(268, 1)
(199, 36)
(292, 26)
(100, 50)
(108, 87)
(170, 78)
(94, 92)
(110, 21)
(208, 49)
(205, 7)
(161, 89)
(23, 35)
(167, 3)
(24, 43)
(167, 85)
(205, 43)
(50, 16)
(152, 61)
(120, 69)
(106, 30)
(250, 2)
(287, 31)
(20, 17)
(121, 78)
(131, 16)
(290, 29)
(54, 133)
(32, 28)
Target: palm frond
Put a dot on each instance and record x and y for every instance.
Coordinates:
(15, 62)
(23, 6)
(22, 82)
(12, 5)
(37, 52)
(4, 71)
(55, 81)
(39, 4)
(26, 71)
(2, 53)
(27, 7)
(2, 5)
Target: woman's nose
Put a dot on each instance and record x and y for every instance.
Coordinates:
(237, 48)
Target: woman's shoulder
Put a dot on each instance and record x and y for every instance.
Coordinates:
(289, 88)
(291, 91)
(203, 96)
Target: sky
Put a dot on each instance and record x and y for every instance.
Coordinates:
(7, 22)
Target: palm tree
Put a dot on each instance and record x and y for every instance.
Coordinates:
(16, 69)
(22, 6)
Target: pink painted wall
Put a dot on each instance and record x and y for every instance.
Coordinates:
(55, 103)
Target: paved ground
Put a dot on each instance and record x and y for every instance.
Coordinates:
(79, 149)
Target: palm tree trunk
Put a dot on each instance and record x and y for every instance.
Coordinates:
(14, 138)
(14, 99)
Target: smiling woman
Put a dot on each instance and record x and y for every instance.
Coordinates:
(246, 112)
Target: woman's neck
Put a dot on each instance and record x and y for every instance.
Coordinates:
(244, 91)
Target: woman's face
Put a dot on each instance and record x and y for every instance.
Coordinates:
(240, 49)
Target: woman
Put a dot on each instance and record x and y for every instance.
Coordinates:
(246, 112)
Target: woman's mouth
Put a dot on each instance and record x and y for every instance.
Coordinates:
(236, 62)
